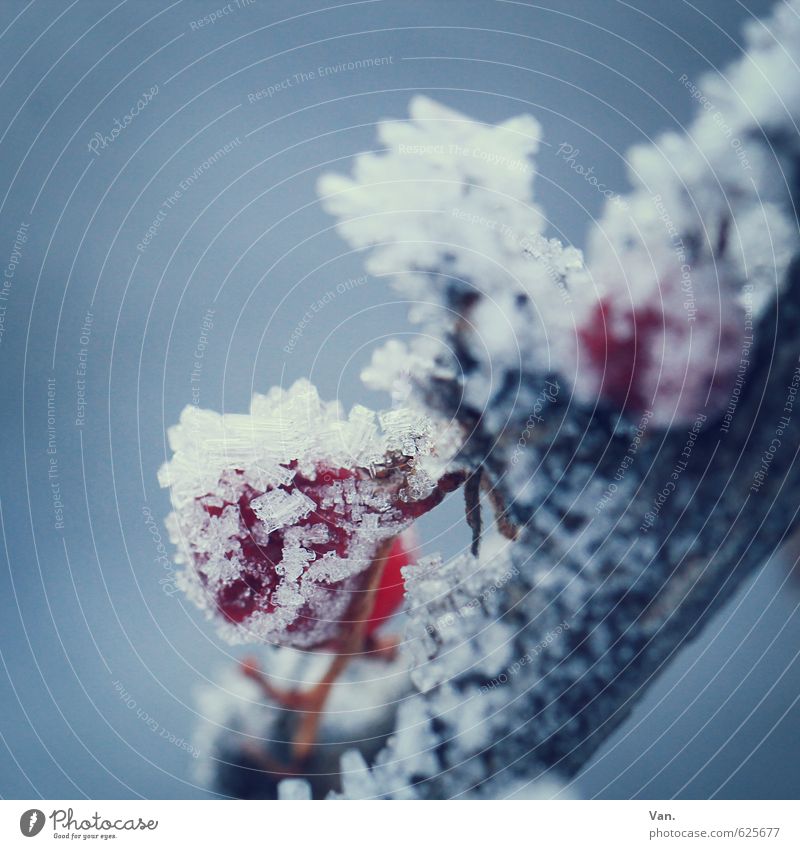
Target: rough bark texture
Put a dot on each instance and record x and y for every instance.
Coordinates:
(633, 596)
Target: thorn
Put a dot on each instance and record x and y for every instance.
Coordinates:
(472, 502)
(506, 527)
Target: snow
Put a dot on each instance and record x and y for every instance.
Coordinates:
(294, 789)
(449, 205)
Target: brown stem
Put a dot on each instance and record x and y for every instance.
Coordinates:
(353, 644)
(472, 504)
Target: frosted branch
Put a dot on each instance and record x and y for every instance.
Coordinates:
(634, 414)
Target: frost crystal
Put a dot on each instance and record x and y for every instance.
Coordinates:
(294, 789)
(279, 514)
(448, 212)
(280, 509)
(657, 318)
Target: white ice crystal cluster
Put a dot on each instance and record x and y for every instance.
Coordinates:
(447, 209)
(277, 514)
(447, 193)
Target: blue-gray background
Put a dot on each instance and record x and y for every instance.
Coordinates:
(82, 607)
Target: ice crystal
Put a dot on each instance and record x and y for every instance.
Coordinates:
(279, 514)
(448, 211)
(655, 320)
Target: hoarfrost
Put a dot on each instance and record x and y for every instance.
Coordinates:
(279, 514)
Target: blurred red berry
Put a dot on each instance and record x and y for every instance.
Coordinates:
(674, 354)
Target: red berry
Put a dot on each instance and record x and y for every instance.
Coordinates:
(623, 352)
(391, 590)
(260, 555)
(279, 515)
(674, 353)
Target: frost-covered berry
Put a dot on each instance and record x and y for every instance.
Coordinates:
(657, 333)
(651, 358)
(279, 515)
